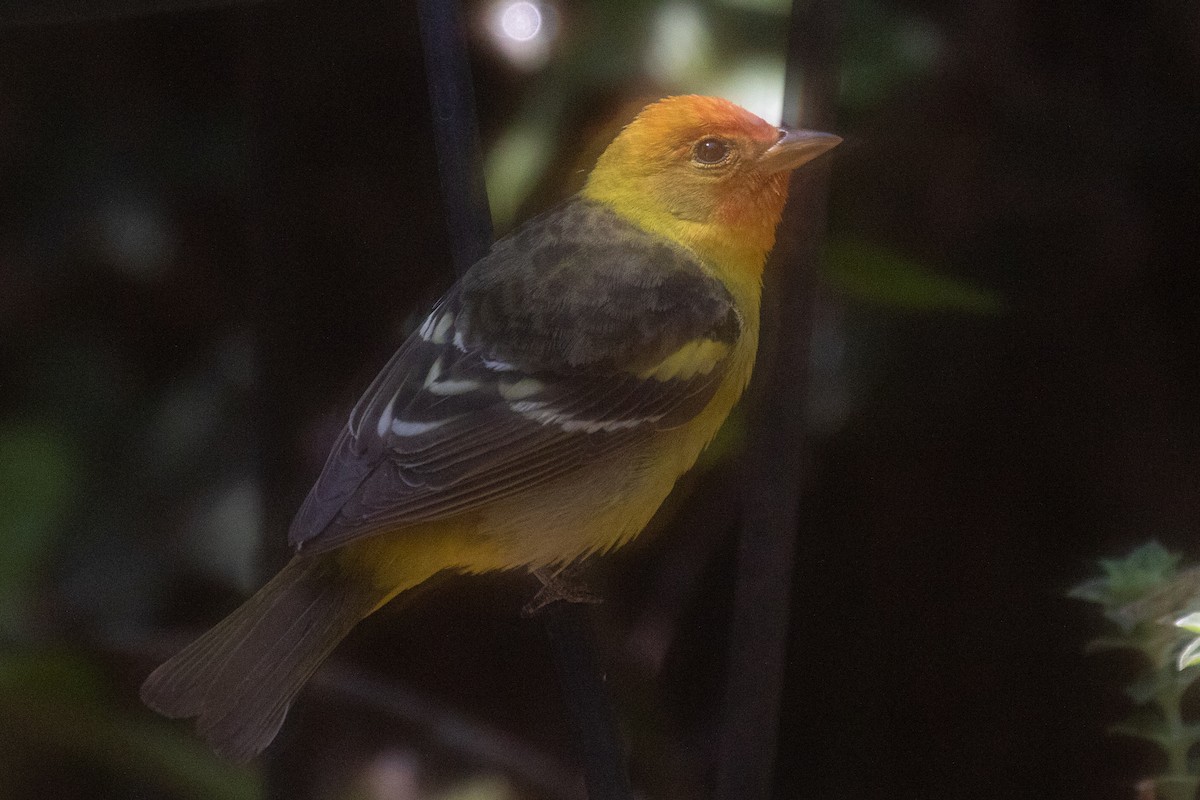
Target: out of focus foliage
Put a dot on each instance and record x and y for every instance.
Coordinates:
(1142, 595)
(61, 709)
(878, 276)
(38, 469)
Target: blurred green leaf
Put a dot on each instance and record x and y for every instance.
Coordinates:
(1146, 725)
(1139, 573)
(1146, 690)
(37, 471)
(1165, 596)
(1103, 644)
(1176, 787)
(1093, 590)
(514, 164)
(883, 52)
(67, 677)
(1159, 686)
(1190, 655)
(59, 703)
(484, 787)
(880, 276)
(1144, 594)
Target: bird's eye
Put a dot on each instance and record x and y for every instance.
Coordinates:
(710, 152)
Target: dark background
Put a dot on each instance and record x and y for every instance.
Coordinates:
(216, 224)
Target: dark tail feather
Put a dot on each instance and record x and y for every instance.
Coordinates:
(239, 678)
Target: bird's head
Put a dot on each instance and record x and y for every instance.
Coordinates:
(706, 173)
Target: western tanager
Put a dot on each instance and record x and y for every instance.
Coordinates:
(541, 413)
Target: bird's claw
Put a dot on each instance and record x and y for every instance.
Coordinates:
(559, 586)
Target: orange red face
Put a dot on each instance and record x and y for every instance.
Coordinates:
(707, 160)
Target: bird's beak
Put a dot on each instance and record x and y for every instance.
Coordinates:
(796, 148)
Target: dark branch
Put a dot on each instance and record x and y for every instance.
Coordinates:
(776, 461)
(463, 193)
(589, 712)
(455, 132)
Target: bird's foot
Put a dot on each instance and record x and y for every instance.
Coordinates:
(560, 585)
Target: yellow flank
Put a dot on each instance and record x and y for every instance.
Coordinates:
(697, 357)
(398, 562)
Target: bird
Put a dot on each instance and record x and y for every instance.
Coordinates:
(540, 414)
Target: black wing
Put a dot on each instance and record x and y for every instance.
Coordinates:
(522, 373)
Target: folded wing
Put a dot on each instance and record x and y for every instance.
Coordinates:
(576, 337)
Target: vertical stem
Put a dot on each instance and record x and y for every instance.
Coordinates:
(776, 459)
(1177, 781)
(589, 710)
(455, 131)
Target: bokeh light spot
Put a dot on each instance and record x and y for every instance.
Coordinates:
(521, 21)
